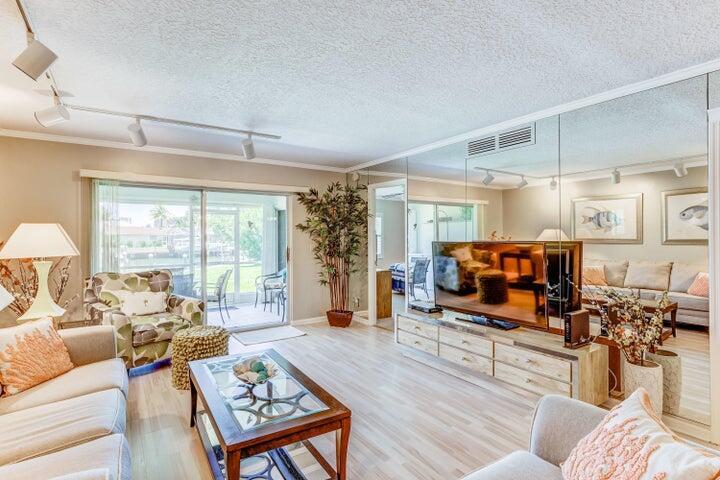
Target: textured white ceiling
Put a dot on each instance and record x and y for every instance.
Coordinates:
(342, 82)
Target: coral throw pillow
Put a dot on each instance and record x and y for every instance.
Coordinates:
(632, 443)
(30, 354)
(700, 286)
(594, 275)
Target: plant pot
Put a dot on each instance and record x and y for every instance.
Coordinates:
(672, 378)
(648, 376)
(339, 318)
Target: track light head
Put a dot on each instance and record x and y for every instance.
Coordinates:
(488, 178)
(680, 169)
(615, 176)
(248, 148)
(553, 184)
(523, 183)
(35, 59)
(137, 134)
(52, 116)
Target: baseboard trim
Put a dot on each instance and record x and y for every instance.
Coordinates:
(309, 321)
(362, 317)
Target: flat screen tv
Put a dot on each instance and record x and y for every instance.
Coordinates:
(499, 280)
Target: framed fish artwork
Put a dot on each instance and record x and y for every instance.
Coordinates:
(608, 219)
(685, 217)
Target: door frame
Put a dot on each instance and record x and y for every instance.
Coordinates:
(372, 244)
(714, 270)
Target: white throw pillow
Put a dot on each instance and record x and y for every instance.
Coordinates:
(141, 303)
(632, 442)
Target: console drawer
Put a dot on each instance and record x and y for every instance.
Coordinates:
(418, 342)
(466, 359)
(546, 365)
(466, 341)
(531, 381)
(418, 328)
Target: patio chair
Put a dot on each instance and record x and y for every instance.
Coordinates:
(268, 284)
(281, 298)
(219, 296)
(418, 276)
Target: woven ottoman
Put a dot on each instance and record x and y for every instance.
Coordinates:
(492, 286)
(195, 343)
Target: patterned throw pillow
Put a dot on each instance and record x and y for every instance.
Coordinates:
(141, 303)
(700, 286)
(30, 354)
(594, 275)
(632, 443)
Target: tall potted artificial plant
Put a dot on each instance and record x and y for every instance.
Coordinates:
(636, 333)
(337, 225)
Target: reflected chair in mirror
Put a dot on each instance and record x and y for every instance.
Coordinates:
(418, 276)
(219, 295)
(281, 299)
(269, 284)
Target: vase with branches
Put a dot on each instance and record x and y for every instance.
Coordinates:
(336, 222)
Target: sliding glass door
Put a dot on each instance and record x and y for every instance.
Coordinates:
(242, 256)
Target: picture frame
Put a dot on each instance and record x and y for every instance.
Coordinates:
(610, 219)
(685, 216)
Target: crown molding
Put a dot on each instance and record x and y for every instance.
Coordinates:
(662, 80)
(49, 137)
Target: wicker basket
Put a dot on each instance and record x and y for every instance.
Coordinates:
(195, 343)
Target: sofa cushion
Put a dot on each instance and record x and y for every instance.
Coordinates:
(595, 291)
(686, 301)
(48, 428)
(30, 354)
(594, 275)
(518, 465)
(110, 452)
(159, 327)
(91, 378)
(614, 271)
(683, 275)
(650, 275)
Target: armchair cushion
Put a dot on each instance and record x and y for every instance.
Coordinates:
(159, 327)
(89, 344)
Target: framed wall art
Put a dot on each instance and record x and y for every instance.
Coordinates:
(608, 219)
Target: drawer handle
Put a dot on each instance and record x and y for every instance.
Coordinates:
(527, 380)
(416, 327)
(416, 342)
(464, 342)
(529, 361)
(466, 359)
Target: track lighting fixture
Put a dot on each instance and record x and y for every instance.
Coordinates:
(553, 184)
(615, 176)
(680, 169)
(137, 134)
(523, 183)
(248, 148)
(53, 115)
(488, 178)
(35, 59)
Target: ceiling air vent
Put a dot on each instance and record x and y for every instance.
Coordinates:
(519, 137)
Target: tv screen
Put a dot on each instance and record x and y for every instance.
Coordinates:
(500, 280)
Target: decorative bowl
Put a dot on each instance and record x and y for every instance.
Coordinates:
(254, 371)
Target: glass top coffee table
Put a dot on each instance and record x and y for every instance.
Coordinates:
(267, 426)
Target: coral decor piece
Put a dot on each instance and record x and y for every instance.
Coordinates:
(494, 236)
(30, 354)
(19, 277)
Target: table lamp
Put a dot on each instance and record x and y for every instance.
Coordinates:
(40, 241)
(552, 235)
(5, 298)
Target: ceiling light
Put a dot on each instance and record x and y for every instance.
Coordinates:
(523, 183)
(248, 148)
(137, 135)
(488, 178)
(553, 184)
(615, 176)
(680, 169)
(53, 115)
(35, 59)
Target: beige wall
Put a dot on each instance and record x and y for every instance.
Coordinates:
(393, 220)
(528, 211)
(40, 182)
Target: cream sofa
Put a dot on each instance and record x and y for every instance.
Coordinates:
(558, 425)
(654, 278)
(70, 427)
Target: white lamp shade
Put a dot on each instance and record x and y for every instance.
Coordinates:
(5, 298)
(39, 240)
(552, 235)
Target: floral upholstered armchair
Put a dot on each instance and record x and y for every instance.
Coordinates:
(141, 339)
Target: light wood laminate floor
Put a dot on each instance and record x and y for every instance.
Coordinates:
(409, 421)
